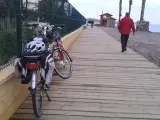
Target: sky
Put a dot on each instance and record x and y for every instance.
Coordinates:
(93, 8)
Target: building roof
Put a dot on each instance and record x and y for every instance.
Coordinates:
(106, 14)
(112, 18)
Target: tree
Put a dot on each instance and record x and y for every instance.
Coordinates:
(120, 9)
(142, 10)
(130, 5)
(7, 11)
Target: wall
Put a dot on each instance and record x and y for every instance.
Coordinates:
(114, 23)
(104, 23)
(12, 93)
(111, 23)
(108, 23)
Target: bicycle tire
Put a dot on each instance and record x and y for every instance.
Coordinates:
(70, 63)
(37, 112)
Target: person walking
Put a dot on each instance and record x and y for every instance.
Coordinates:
(124, 27)
(92, 23)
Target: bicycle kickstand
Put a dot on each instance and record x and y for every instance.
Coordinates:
(47, 95)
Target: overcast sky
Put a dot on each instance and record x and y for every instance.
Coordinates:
(93, 8)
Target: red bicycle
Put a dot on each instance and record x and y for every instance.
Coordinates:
(63, 62)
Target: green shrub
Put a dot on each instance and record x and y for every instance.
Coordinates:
(7, 46)
(26, 35)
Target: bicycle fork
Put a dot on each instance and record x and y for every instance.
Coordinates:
(32, 89)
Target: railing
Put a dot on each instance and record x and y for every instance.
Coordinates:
(7, 31)
(41, 11)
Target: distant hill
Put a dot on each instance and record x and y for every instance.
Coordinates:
(95, 20)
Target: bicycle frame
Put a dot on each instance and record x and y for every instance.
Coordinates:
(58, 40)
(58, 44)
(59, 47)
(34, 73)
(32, 68)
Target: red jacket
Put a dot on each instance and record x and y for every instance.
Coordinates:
(125, 26)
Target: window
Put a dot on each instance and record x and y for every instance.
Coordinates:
(104, 16)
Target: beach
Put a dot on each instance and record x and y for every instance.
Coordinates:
(146, 44)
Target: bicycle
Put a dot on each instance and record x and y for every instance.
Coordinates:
(32, 67)
(37, 89)
(61, 57)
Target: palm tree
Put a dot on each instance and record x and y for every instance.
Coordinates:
(120, 9)
(130, 5)
(142, 10)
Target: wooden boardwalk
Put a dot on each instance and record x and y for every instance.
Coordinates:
(106, 84)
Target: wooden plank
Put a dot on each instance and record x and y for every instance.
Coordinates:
(102, 101)
(94, 114)
(68, 40)
(13, 96)
(66, 117)
(6, 74)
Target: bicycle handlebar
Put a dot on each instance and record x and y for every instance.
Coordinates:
(57, 27)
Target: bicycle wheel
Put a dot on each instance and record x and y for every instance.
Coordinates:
(37, 100)
(62, 67)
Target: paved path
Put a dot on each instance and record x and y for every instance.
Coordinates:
(106, 84)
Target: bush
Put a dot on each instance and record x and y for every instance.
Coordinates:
(27, 34)
(7, 46)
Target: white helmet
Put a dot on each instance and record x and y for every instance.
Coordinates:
(34, 47)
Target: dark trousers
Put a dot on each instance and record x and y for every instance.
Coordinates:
(124, 41)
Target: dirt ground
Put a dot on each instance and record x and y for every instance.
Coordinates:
(145, 43)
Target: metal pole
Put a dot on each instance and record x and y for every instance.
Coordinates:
(19, 4)
(26, 5)
(52, 13)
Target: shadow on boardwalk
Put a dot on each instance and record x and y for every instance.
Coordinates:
(145, 43)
